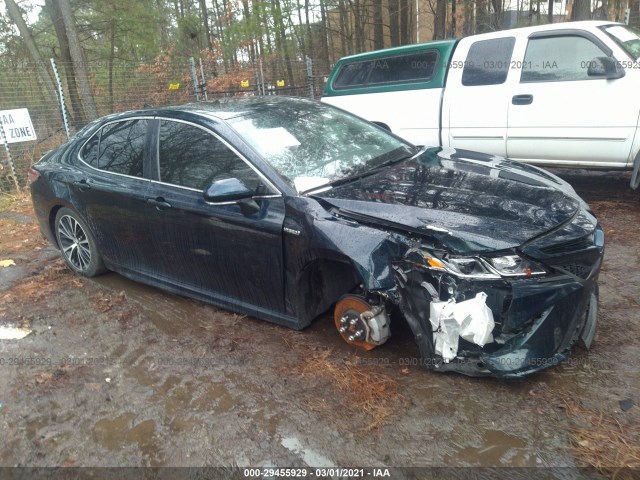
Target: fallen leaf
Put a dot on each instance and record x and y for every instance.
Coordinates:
(7, 263)
(43, 377)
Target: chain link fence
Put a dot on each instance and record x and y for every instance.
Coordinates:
(119, 86)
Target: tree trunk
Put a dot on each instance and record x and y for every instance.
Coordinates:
(282, 34)
(378, 32)
(303, 43)
(634, 14)
(221, 36)
(205, 22)
(324, 20)
(356, 10)
(43, 75)
(439, 20)
(308, 23)
(496, 18)
(454, 19)
(76, 112)
(79, 65)
(469, 24)
(163, 34)
(550, 12)
(394, 23)
(112, 54)
(346, 38)
(405, 19)
(581, 10)
(483, 22)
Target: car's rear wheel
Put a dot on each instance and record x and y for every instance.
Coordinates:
(77, 244)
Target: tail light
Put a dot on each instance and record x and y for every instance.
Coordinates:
(33, 175)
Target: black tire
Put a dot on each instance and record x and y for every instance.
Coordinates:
(77, 244)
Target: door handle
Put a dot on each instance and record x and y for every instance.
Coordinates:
(82, 185)
(522, 99)
(159, 203)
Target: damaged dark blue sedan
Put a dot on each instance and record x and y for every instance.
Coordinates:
(284, 208)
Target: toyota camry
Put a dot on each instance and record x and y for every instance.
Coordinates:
(285, 208)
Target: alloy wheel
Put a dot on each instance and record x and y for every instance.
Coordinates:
(74, 242)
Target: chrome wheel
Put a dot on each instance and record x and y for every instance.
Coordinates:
(74, 243)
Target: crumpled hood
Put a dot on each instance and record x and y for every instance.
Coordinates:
(484, 202)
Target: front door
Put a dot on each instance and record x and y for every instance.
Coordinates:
(560, 115)
(110, 191)
(214, 249)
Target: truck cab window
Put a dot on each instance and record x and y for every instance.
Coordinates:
(488, 62)
(556, 59)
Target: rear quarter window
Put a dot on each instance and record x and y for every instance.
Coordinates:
(89, 152)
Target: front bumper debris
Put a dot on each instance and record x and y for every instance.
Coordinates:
(538, 321)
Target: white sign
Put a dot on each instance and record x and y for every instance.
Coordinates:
(17, 125)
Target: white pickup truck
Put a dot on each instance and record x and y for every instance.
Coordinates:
(564, 94)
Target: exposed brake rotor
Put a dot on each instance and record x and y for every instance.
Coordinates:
(351, 315)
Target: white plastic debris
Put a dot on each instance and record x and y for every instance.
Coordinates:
(13, 333)
(478, 323)
(446, 329)
(470, 319)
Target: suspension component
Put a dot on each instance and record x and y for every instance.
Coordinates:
(360, 323)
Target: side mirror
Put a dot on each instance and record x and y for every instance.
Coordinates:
(605, 67)
(227, 190)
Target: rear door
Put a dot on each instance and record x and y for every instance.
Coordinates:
(110, 192)
(475, 106)
(559, 115)
(215, 250)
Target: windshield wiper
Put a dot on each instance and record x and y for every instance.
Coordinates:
(366, 173)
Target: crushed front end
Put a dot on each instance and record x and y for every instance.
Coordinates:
(542, 297)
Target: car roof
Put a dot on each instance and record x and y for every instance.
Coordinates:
(222, 109)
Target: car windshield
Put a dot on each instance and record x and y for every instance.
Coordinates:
(627, 37)
(313, 144)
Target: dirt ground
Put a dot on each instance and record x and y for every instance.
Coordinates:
(119, 374)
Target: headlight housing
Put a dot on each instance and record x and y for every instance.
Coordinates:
(488, 268)
(515, 266)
